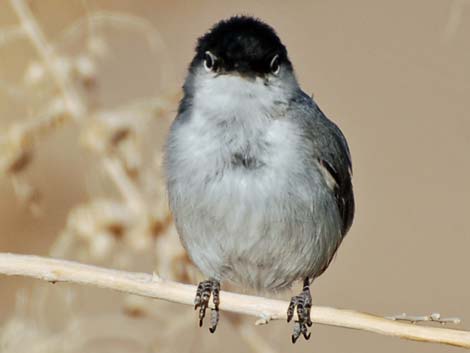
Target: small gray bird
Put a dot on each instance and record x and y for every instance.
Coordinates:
(259, 180)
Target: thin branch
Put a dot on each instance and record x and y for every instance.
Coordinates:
(147, 285)
(126, 187)
(434, 317)
(15, 145)
(115, 21)
(49, 57)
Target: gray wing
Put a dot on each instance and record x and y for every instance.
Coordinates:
(331, 150)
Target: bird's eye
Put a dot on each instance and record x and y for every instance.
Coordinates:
(275, 65)
(210, 61)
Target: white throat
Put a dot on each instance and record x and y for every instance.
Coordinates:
(228, 97)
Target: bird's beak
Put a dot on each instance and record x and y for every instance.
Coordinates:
(248, 75)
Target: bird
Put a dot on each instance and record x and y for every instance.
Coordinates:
(259, 180)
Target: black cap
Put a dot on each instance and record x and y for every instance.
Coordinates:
(242, 43)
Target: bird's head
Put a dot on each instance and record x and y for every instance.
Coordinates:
(241, 57)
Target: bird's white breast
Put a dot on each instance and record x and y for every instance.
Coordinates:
(239, 221)
(235, 117)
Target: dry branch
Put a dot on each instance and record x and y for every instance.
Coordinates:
(152, 286)
(49, 57)
(434, 317)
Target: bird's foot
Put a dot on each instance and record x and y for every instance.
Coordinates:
(203, 294)
(303, 303)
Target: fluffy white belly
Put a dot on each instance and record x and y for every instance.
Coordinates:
(251, 210)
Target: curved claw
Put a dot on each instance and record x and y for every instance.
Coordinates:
(214, 319)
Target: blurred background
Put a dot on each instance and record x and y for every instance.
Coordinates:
(86, 184)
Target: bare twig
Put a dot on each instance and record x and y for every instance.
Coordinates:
(16, 148)
(113, 20)
(49, 56)
(126, 187)
(434, 317)
(15, 145)
(143, 284)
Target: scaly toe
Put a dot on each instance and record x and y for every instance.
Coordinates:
(203, 294)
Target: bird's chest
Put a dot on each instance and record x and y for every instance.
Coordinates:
(238, 161)
(232, 148)
(235, 170)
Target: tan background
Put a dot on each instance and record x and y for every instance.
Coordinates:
(394, 75)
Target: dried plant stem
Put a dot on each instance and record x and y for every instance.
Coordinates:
(49, 56)
(126, 187)
(147, 285)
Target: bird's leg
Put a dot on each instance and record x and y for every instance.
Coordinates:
(203, 294)
(303, 302)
